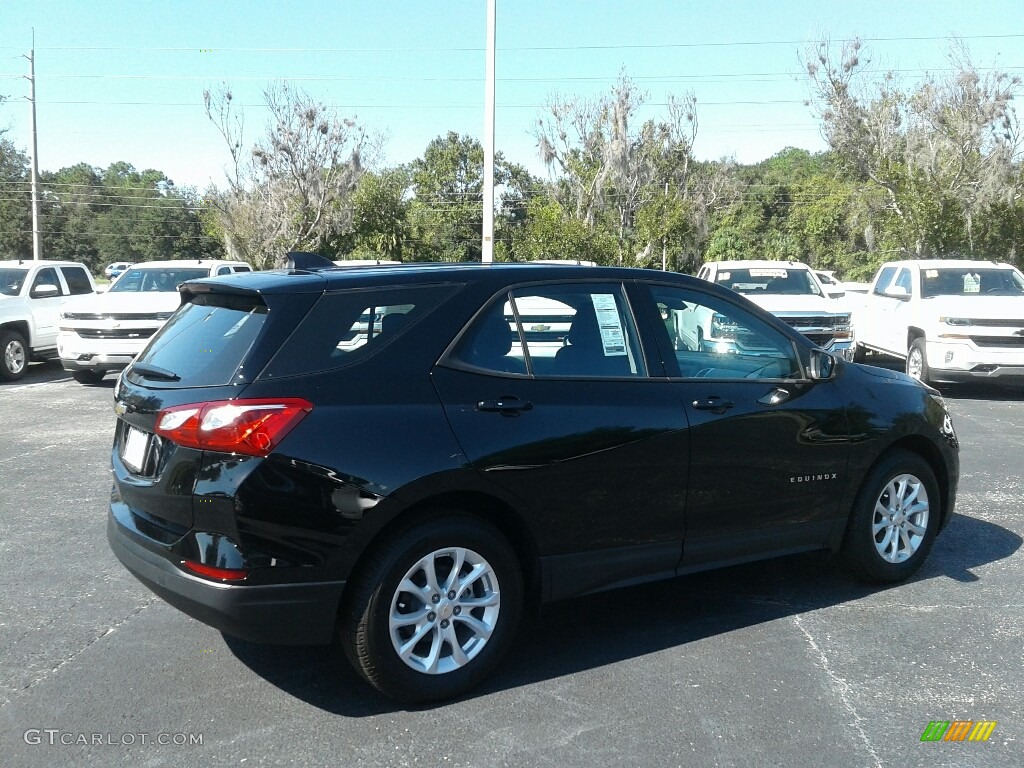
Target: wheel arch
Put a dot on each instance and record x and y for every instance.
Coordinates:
(21, 327)
(923, 447)
(487, 508)
(913, 334)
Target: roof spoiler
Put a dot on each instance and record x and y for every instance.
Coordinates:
(310, 262)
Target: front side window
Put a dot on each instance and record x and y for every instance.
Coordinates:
(46, 277)
(904, 281)
(884, 280)
(714, 339)
(555, 331)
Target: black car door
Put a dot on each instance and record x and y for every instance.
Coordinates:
(551, 399)
(768, 447)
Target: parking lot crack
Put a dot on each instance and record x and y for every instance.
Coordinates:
(841, 687)
(71, 657)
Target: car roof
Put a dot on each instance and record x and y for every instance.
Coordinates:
(499, 274)
(768, 263)
(954, 264)
(173, 263)
(40, 263)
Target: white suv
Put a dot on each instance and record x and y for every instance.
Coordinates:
(105, 332)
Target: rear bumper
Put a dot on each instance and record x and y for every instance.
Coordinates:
(78, 354)
(292, 614)
(97, 363)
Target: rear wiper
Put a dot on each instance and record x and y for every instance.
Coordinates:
(154, 372)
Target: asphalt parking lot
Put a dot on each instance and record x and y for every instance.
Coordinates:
(781, 663)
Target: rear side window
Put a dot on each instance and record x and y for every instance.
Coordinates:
(77, 280)
(205, 342)
(348, 326)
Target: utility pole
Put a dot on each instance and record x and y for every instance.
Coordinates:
(487, 249)
(37, 244)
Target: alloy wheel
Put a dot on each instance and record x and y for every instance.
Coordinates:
(900, 518)
(444, 610)
(14, 356)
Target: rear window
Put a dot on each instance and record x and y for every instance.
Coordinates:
(205, 341)
(348, 326)
(156, 279)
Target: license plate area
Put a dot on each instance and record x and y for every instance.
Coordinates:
(136, 445)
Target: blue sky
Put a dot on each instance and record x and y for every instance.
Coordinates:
(124, 80)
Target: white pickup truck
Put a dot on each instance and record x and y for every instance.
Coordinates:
(31, 296)
(790, 290)
(950, 320)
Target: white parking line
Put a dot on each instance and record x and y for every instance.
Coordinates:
(20, 387)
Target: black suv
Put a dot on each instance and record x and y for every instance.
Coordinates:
(405, 456)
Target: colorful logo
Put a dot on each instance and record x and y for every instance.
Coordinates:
(958, 730)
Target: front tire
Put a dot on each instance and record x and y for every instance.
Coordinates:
(434, 609)
(894, 519)
(13, 356)
(917, 361)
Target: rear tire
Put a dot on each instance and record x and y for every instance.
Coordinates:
(13, 356)
(87, 377)
(860, 353)
(434, 609)
(894, 519)
(917, 361)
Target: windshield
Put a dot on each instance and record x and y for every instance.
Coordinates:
(757, 280)
(156, 279)
(11, 280)
(971, 281)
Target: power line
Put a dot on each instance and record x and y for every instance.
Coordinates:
(515, 48)
(708, 77)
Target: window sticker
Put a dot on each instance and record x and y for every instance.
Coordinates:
(613, 338)
(769, 272)
(931, 273)
(972, 283)
(724, 276)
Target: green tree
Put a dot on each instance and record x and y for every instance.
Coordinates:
(446, 210)
(550, 232)
(15, 203)
(942, 154)
(292, 190)
(381, 214)
(610, 168)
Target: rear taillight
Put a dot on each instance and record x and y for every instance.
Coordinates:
(212, 572)
(249, 427)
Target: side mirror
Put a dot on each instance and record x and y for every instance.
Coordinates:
(45, 291)
(897, 292)
(823, 365)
